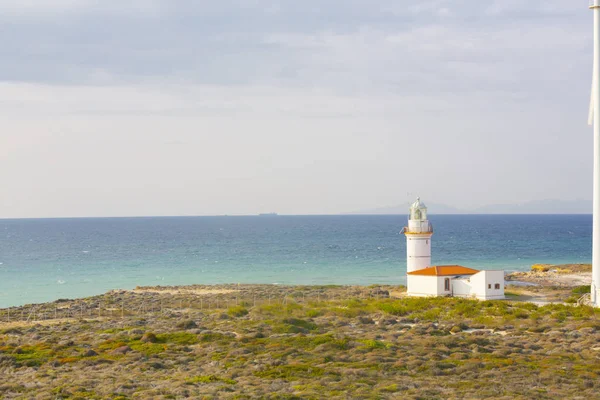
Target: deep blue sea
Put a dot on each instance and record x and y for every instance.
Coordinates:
(47, 259)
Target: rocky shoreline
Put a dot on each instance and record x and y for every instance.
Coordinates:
(564, 275)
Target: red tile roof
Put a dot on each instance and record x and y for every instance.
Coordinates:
(444, 270)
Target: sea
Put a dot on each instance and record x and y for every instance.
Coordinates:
(48, 259)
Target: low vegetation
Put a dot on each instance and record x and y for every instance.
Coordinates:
(327, 345)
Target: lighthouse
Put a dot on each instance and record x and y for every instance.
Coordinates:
(418, 238)
(425, 280)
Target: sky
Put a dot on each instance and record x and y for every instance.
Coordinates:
(189, 107)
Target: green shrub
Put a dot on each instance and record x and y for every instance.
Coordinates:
(187, 324)
(390, 389)
(182, 338)
(395, 308)
(372, 344)
(33, 355)
(213, 337)
(237, 311)
(294, 325)
(148, 349)
(313, 313)
(582, 290)
(291, 372)
(205, 379)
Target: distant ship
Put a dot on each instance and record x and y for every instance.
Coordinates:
(268, 215)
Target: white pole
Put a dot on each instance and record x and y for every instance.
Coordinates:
(595, 5)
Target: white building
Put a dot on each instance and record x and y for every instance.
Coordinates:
(446, 280)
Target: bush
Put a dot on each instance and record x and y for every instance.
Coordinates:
(149, 337)
(204, 379)
(178, 338)
(188, 324)
(372, 344)
(291, 372)
(582, 289)
(237, 311)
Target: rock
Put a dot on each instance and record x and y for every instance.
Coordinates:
(149, 337)
(121, 350)
(188, 324)
(379, 293)
(90, 353)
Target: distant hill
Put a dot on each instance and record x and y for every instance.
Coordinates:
(539, 207)
(532, 207)
(433, 208)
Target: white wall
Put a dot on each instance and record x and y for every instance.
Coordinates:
(461, 287)
(418, 252)
(483, 285)
(475, 286)
(418, 285)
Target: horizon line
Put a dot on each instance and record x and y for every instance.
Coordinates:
(277, 215)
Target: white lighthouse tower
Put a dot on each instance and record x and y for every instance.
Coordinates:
(418, 238)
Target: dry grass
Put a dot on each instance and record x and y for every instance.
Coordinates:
(328, 346)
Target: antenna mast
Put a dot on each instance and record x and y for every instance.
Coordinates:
(595, 117)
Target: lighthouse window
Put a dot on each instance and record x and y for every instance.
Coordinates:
(497, 286)
(447, 284)
(489, 285)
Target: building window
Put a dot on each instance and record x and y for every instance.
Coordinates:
(447, 284)
(489, 285)
(497, 286)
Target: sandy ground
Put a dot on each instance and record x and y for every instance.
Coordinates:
(552, 279)
(24, 324)
(570, 275)
(182, 290)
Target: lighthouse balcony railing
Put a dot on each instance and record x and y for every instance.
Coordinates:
(407, 230)
(594, 3)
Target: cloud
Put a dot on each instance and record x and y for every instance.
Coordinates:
(37, 9)
(355, 47)
(332, 105)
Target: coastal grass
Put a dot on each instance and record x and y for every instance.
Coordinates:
(330, 347)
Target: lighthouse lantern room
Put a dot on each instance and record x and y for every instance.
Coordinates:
(418, 238)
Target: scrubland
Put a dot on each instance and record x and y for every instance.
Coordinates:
(305, 343)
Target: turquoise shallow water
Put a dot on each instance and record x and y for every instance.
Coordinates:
(47, 259)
